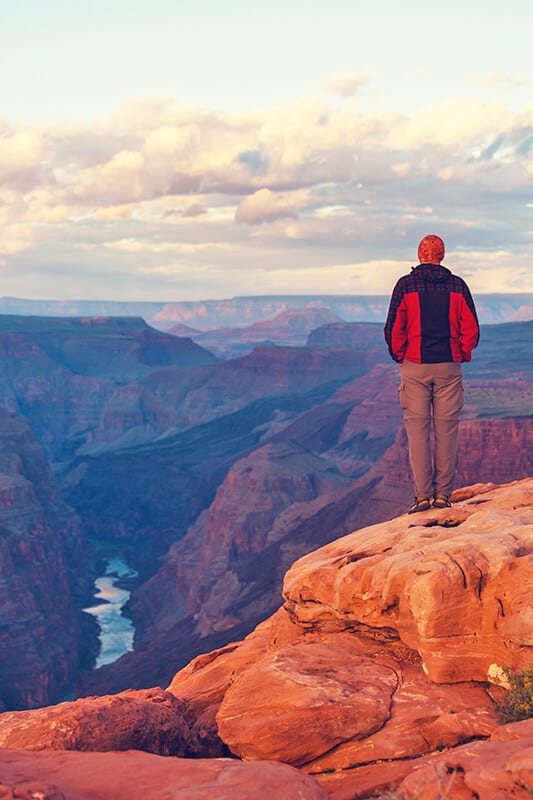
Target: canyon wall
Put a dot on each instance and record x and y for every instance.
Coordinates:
(44, 642)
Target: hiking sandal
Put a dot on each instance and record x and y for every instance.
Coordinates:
(441, 501)
(419, 504)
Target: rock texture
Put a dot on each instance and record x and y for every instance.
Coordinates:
(501, 767)
(390, 648)
(150, 720)
(123, 776)
(453, 585)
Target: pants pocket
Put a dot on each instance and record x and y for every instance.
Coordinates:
(402, 396)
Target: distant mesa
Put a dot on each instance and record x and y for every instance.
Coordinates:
(120, 347)
(238, 311)
(289, 328)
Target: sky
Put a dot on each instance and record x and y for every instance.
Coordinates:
(180, 150)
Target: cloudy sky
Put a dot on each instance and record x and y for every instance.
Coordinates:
(193, 149)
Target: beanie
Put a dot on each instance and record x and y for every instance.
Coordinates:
(431, 250)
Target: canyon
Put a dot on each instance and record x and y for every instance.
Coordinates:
(211, 475)
(381, 671)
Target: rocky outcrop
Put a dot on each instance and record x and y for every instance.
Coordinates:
(151, 720)
(115, 347)
(389, 649)
(453, 586)
(44, 574)
(123, 776)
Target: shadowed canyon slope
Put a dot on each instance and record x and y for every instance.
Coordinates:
(379, 673)
(211, 478)
(43, 575)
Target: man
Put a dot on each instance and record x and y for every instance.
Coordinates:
(431, 329)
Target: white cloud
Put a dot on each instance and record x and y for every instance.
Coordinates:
(262, 206)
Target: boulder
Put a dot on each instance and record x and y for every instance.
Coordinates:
(150, 719)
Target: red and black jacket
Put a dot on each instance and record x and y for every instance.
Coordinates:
(432, 317)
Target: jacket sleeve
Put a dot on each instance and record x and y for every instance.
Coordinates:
(396, 324)
(468, 325)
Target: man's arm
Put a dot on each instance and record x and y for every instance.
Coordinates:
(468, 325)
(396, 324)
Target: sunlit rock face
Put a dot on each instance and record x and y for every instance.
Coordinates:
(122, 776)
(150, 720)
(388, 649)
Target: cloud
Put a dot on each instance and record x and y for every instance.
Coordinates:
(347, 84)
(194, 210)
(20, 154)
(262, 206)
(311, 188)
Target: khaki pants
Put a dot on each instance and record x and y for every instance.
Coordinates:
(432, 393)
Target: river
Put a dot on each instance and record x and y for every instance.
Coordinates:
(116, 630)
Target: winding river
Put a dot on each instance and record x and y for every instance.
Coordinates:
(116, 630)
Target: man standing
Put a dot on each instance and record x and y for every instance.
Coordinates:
(431, 329)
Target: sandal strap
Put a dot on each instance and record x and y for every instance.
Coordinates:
(441, 501)
(420, 504)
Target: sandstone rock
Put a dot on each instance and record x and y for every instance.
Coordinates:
(501, 767)
(330, 689)
(151, 720)
(454, 585)
(202, 684)
(124, 776)
(424, 717)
